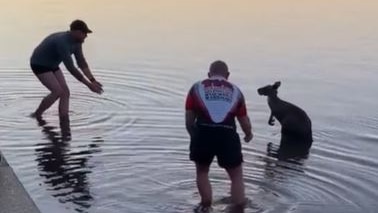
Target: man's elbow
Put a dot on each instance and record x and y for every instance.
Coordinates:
(82, 66)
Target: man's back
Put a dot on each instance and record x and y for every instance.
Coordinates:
(216, 101)
(48, 53)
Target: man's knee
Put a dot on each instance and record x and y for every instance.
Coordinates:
(235, 172)
(61, 93)
(57, 92)
(65, 93)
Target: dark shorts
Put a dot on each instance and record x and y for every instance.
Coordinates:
(223, 143)
(38, 69)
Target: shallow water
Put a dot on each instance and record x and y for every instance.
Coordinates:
(129, 147)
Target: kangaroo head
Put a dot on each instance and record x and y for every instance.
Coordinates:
(269, 90)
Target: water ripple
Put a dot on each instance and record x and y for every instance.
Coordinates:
(129, 150)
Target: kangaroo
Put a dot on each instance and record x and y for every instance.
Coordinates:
(296, 132)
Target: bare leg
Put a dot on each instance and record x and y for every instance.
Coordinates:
(64, 105)
(203, 184)
(237, 185)
(65, 95)
(49, 80)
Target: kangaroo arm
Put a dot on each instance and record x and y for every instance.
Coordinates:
(271, 119)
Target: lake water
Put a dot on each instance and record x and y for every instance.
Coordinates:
(129, 147)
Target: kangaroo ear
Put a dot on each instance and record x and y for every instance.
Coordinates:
(276, 84)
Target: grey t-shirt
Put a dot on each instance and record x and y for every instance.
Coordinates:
(56, 48)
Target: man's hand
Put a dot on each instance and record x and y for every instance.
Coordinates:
(95, 87)
(94, 81)
(248, 138)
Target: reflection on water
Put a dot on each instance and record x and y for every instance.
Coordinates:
(65, 171)
(291, 155)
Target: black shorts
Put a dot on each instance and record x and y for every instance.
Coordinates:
(38, 69)
(208, 142)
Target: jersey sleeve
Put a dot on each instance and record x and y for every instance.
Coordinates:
(190, 100)
(242, 108)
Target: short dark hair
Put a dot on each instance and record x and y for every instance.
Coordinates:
(218, 67)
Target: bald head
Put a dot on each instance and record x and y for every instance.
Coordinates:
(219, 68)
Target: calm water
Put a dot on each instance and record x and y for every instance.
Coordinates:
(129, 148)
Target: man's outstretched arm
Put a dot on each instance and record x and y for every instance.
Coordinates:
(83, 65)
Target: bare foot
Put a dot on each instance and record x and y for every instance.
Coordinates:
(41, 121)
(35, 115)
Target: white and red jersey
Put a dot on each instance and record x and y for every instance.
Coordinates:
(216, 102)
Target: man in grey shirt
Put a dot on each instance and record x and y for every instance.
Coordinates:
(54, 49)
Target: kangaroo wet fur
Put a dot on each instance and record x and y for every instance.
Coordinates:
(296, 131)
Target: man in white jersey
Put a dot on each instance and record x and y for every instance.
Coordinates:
(211, 108)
